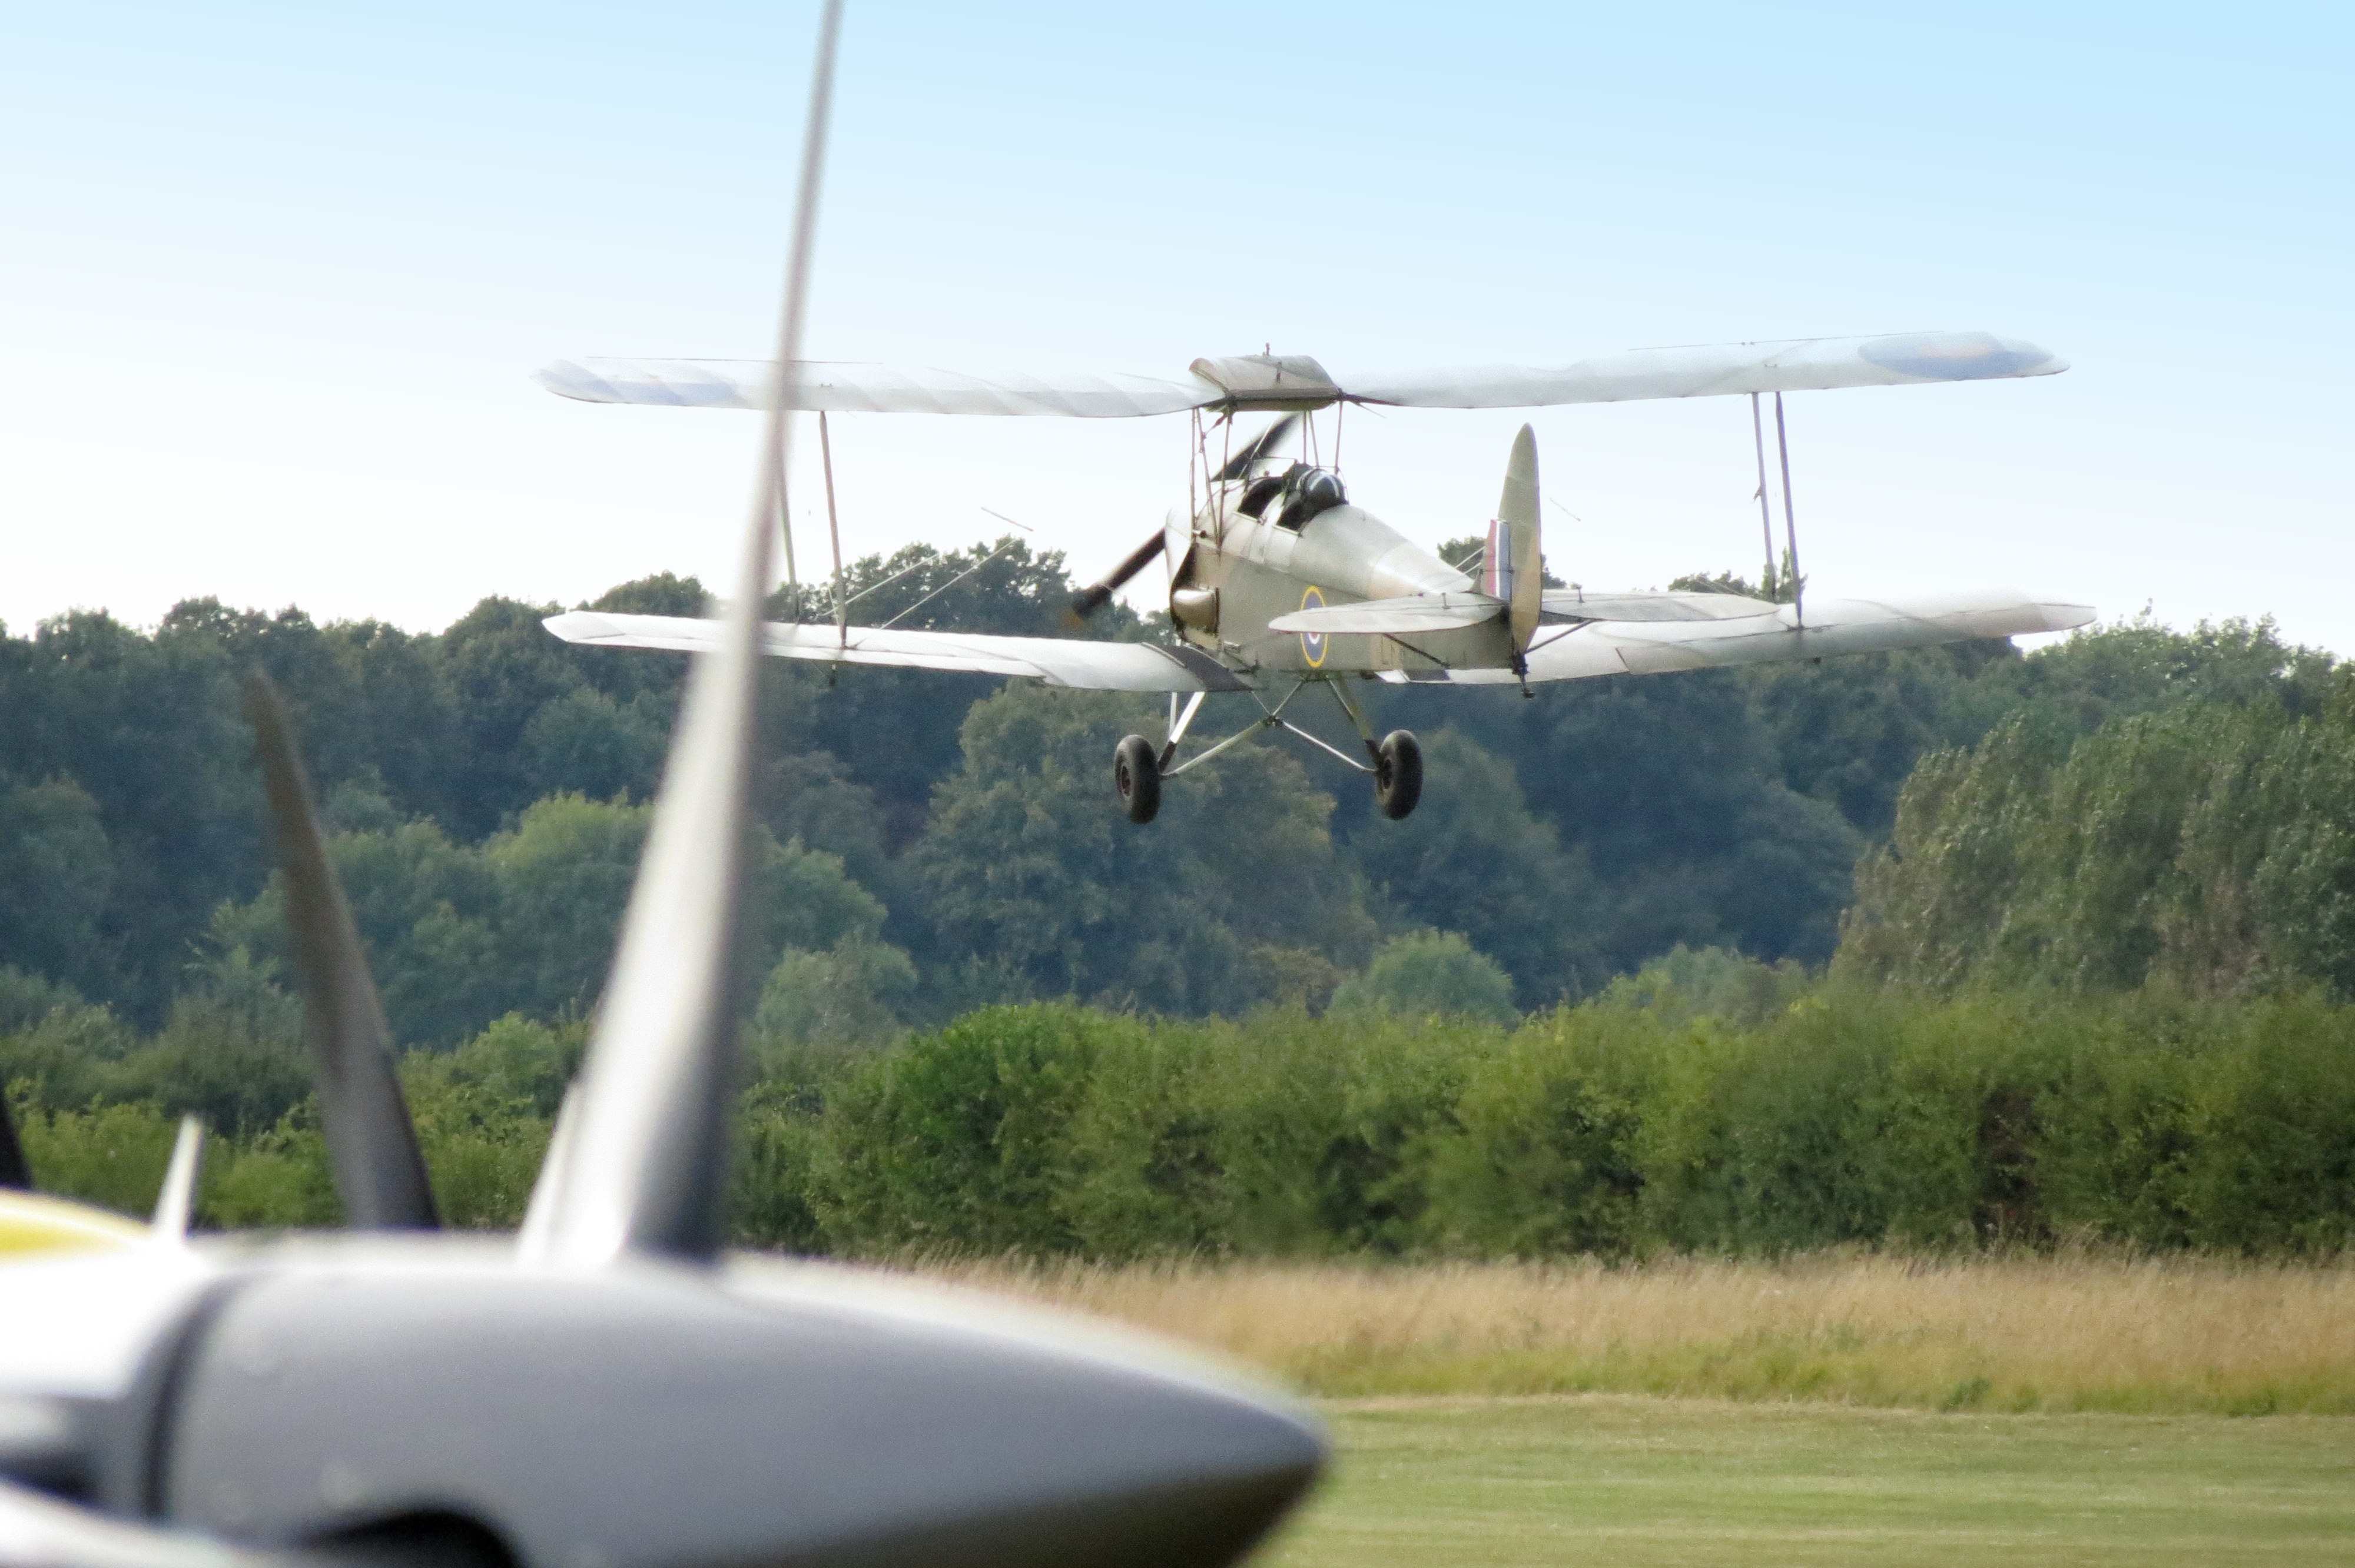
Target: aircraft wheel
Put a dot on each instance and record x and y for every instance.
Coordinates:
(1397, 774)
(1136, 774)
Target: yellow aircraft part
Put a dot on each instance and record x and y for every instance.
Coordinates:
(32, 1225)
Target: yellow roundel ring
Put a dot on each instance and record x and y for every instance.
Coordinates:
(1312, 643)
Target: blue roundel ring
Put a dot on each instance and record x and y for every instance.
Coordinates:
(1312, 643)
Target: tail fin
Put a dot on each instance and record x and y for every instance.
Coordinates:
(1514, 569)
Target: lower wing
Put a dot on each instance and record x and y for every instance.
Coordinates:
(1059, 662)
(1837, 626)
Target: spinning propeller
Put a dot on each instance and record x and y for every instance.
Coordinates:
(1258, 449)
(613, 1391)
(1098, 594)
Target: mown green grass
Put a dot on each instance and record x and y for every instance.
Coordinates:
(1601, 1478)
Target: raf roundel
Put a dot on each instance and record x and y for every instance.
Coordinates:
(1312, 643)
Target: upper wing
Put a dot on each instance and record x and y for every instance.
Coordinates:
(1280, 381)
(1837, 626)
(874, 388)
(1802, 364)
(1059, 662)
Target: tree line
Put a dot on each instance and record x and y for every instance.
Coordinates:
(936, 843)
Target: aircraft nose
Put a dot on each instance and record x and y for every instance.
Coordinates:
(659, 1419)
(1023, 1439)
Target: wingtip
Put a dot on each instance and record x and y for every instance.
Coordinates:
(578, 382)
(580, 626)
(2063, 617)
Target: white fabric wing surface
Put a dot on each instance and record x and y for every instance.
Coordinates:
(1833, 627)
(1801, 364)
(1445, 611)
(874, 388)
(1059, 662)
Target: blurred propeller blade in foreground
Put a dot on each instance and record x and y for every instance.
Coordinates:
(644, 1163)
(13, 1172)
(176, 1205)
(379, 1174)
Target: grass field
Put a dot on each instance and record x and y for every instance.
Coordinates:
(1632, 1481)
(2179, 1336)
(1832, 1410)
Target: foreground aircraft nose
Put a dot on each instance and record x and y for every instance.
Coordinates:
(658, 1418)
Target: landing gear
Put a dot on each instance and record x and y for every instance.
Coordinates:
(1137, 775)
(1138, 768)
(1397, 774)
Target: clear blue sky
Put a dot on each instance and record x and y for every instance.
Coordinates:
(276, 276)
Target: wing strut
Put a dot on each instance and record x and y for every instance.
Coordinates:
(834, 527)
(1765, 508)
(1790, 524)
(785, 527)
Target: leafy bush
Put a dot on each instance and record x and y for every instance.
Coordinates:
(951, 1142)
(111, 1155)
(1697, 1107)
(1844, 1116)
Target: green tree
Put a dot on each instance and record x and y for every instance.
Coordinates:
(1473, 858)
(1430, 974)
(1033, 875)
(56, 875)
(849, 995)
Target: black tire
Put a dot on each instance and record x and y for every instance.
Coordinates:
(1137, 775)
(1397, 774)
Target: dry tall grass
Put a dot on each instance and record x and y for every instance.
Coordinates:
(2030, 1333)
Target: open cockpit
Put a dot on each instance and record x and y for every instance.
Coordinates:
(1298, 494)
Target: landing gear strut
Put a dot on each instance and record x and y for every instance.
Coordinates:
(1137, 775)
(1397, 760)
(1397, 774)
(1137, 767)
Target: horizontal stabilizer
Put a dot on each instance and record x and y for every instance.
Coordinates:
(1416, 612)
(1058, 661)
(1576, 604)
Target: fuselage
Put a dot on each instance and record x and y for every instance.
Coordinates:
(1234, 572)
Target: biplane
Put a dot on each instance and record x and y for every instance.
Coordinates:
(1279, 581)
